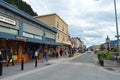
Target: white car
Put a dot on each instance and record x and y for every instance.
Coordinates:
(89, 52)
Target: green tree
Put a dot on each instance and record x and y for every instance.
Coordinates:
(115, 49)
(22, 6)
(102, 47)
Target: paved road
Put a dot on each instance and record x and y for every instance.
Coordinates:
(77, 69)
(86, 58)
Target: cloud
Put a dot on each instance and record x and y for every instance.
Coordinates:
(91, 20)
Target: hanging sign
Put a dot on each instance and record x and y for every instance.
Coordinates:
(21, 38)
(7, 20)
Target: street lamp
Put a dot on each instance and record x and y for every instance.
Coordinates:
(117, 27)
(108, 43)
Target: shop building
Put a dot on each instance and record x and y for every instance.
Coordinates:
(22, 33)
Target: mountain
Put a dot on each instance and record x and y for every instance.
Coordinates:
(22, 6)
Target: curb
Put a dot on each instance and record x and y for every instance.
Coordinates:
(76, 56)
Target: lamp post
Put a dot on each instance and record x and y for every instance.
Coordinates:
(108, 43)
(117, 27)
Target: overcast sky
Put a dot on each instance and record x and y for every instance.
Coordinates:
(90, 20)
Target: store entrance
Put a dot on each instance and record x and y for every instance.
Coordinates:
(6, 45)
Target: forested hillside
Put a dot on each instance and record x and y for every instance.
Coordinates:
(22, 6)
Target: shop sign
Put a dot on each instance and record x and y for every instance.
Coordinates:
(21, 38)
(7, 20)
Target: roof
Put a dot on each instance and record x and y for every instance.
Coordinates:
(25, 15)
(113, 42)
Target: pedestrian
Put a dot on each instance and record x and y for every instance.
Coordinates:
(56, 53)
(65, 51)
(61, 52)
(1, 65)
(49, 53)
(45, 55)
(36, 53)
(10, 57)
(36, 57)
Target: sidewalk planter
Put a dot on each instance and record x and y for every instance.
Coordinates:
(118, 58)
(101, 61)
(102, 56)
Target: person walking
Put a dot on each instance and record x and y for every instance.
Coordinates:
(45, 55)
(61, 51)
(1, 65)
(56, 53)
(10, 57)
(36, 57)
(49, 54)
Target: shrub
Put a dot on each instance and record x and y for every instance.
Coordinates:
(101, 56)
(104, 55)
(115, 53)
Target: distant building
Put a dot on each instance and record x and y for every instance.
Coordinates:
(113, 43)
(78, 44)
(96, 47)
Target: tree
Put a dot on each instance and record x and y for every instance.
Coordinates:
(115, 49)
(102, 47)
(22, 6)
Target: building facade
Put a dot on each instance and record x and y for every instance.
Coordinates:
(22, 33)
(95, 48)
(78, 44)
(55, 21)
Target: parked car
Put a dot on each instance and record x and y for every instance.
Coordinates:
(89, 52)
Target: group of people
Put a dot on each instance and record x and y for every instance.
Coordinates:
(48, 53)
(10, 59)
(9, 56)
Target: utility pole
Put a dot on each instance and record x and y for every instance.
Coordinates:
(117, 27)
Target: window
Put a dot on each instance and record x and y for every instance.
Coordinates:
(8, 30)
(49, 39)
(62, 28)
(27, 35)
(58, 35)
(49, 35)
(38, 37)
(63, 39)
(57, 24)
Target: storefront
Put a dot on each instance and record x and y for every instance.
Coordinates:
(22, 33)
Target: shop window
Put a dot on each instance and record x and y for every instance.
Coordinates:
(38, 37)
(27, 35)
(49, 39)
(8, 30)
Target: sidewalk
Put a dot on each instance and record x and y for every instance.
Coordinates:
(111, 63)
(16, 69)
(112, 66)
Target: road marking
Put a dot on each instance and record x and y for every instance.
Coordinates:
(76, 56)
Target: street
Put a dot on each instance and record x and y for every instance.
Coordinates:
(84, 67)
